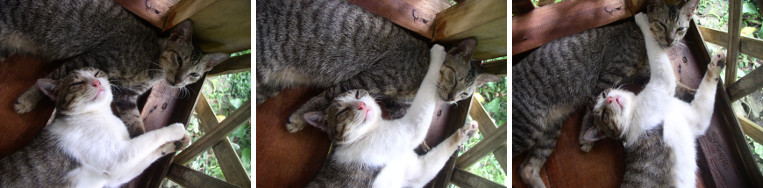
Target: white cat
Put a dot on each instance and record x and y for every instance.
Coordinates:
(86, 131)
(371, 151)
(623, 115)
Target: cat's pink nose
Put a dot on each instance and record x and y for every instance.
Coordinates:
(362, 106)
(610, 99)
(96, 83)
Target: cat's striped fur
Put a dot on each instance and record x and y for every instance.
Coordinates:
(101, 34)
(85, 145)
(566, 74)
(648, 162)
(340, 46)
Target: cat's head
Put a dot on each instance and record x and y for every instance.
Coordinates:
(611, 114)
(183, 62)
(459, 76)
(349, 116)
(82, 90)
(668, 22)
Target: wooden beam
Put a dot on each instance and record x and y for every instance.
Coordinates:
(184, 10)
(414, 15)
(187, 177)
(463, 178)
(732, 50)
(495, 67)
(490, 143)
(236, 64)
(223, 26)
(156, 15)
(751, 129)
(744, 86)
(545, 24)
(456, 120)
(545, 2)
(485, 20)
(218, 133)
(749, 46)
(230, 164)
(487, 127)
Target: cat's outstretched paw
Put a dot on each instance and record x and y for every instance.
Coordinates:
(174, 146)
(177, 130)
(25, 103)
(715, 66)
(295, 123)
(642, 21)
(466, 132)
(437, 55)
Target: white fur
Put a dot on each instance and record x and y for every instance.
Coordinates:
(682, 122)
(99, 141)
(390, 143)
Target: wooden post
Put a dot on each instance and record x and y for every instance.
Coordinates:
(735, 27)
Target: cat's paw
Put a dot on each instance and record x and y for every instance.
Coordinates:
(174, 146)
(25, 103)
(177, 130)
(715, 66)
(642, 21)
(466, 132)
(586, 146)
(134, 126)
(437, 54)
(295, 123)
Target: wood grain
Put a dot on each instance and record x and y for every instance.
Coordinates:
(415, 15)
(233, 65)
(484, 20)
(463, 178)
(188, 177)
(239, 117)
(732, 50)
(17, 74)
(749, 46)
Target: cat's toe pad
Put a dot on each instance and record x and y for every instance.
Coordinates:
(182, 143)
(468, 130)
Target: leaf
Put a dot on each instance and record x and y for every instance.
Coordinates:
(749, 8)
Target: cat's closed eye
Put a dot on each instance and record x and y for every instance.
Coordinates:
(194, 74)
(77, 83)
(179, 60)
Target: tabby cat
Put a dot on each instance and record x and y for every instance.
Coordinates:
(658, 130)
(86, 145)
(101, 34)
(340, 46)
(564, 75)
(370, 151)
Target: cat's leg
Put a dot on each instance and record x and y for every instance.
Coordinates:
(704, 99)
(131, 171)
(587, 123)
(266, 92)
(126, 108)
(530, 168)
(28, 100)
(432, 162)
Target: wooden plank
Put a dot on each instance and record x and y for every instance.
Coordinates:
(414, 15)
(187, 177)
(156, 15)
(236, 64)
(751, 129)
(230, 164)
(490, 143)
(184, 10)
(223, 26)
(463, 178)
(17, 74)
(162, 108)
(744, 86)
(521, 7)
(732, 50)
(227, 126)
(495, 67)
(545, 2)
(486, 127)
(749, 46)
(485, 20)
(456, 117)
(557, 20)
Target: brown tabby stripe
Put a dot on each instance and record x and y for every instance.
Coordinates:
(24, 168)
(649, 161)
(334, 174)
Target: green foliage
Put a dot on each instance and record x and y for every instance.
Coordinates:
(757, 151)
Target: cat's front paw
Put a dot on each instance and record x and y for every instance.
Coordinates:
(437, 54)
(295, 123)
(642, 21)
(177, 130)
(715, 66)
(466, 132)
(135, 126)
(174, 146)
(26, 102)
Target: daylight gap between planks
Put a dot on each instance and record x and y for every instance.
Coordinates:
(487, 127)
(231, 166)
(241, 115)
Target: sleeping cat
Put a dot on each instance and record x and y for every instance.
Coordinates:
(85, 145)
(370, 151)
(340, 46)
(657, 129)
(564, 75)
(101, 34)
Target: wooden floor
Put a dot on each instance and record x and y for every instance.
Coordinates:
(16, 75)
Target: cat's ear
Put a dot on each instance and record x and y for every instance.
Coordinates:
(465, 48)
(212, 59)
(485, 78)
(48, 87)
(316, 119)
(651, 4)
(182, 32)
(688, 8)
(593, 134)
